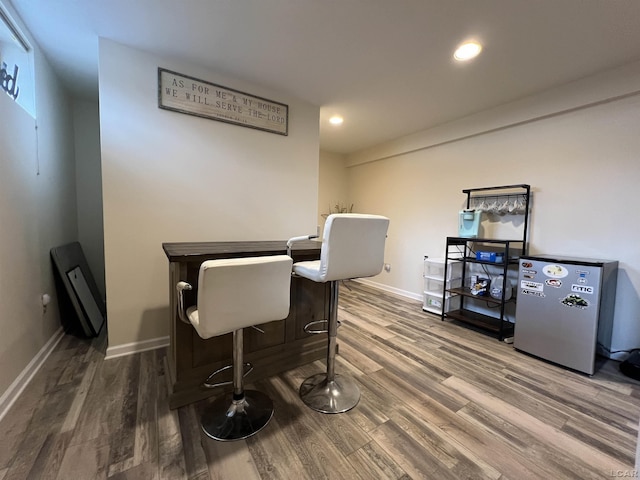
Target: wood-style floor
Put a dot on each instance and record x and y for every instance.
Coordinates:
(439, 401)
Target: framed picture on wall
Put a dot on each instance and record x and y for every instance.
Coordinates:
(185, 94)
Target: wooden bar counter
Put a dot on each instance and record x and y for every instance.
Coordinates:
(284, 344)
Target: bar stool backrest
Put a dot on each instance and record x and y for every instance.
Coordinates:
(352, 246)
(235, 293)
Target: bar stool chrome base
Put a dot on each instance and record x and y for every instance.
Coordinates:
(228, 420)
(337, 396)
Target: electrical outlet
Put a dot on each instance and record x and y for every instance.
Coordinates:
(45, 299)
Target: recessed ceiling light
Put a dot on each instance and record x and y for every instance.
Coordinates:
(467, 51)
(336, 120)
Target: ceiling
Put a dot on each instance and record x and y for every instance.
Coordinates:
(385, 65)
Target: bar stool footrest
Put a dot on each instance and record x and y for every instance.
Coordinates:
(247, 368)
(307, 327)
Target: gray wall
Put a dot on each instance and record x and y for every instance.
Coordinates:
(37, 212)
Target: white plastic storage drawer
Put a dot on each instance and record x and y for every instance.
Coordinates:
(437, 285)
(434, 267)
(433, 303)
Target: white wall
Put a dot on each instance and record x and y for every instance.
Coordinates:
(37, 212)
(582, 165)
(86, 126)
(169, 177)
(332, 184)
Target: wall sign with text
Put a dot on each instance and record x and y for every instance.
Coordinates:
(189, 95)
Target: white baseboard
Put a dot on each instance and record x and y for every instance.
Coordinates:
(136, 347)
(9, 397)
(386, 288)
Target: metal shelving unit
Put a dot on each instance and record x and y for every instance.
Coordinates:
(463, 249)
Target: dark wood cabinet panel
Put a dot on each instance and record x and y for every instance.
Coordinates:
(311, 304)
(282, 346)
(212, 350)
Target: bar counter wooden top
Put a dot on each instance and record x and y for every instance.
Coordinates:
(284, 343)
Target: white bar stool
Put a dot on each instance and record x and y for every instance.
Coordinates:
(233, 294)
(352, 247)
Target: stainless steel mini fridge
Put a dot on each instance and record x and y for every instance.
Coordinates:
(564, 308)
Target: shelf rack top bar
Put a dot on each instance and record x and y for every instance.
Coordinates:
(502, 187)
